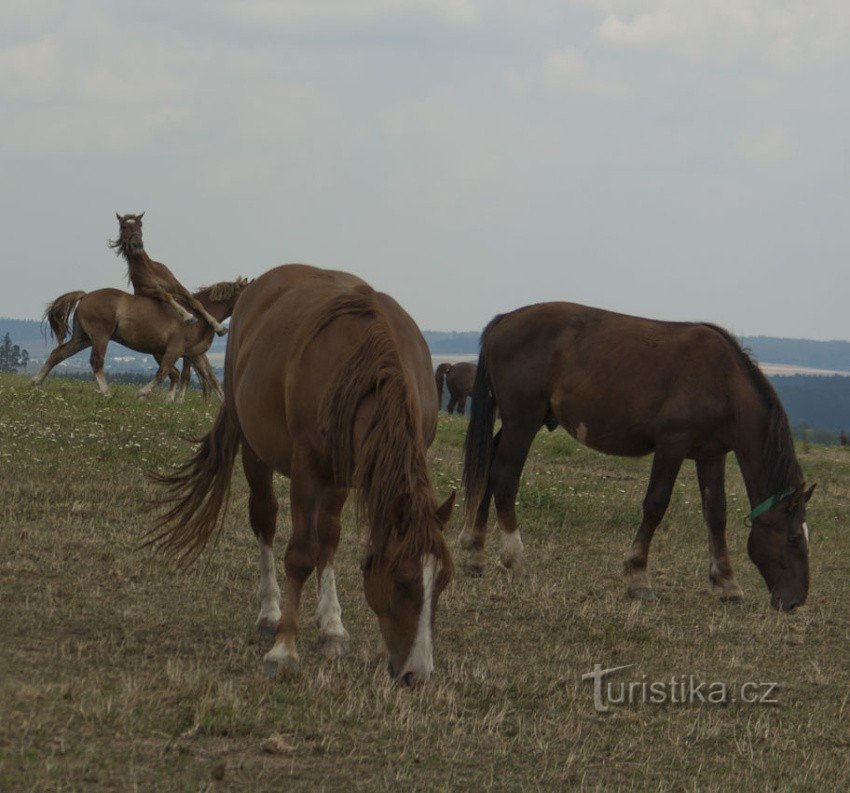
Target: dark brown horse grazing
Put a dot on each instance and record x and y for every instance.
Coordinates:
(460, 379)
(153, 279)
(329, 383)
(141, 324)
(630, 386)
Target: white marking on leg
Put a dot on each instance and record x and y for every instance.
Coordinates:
(268, 591)
(100, 378)
(581, 433)
(328, 611)
(420, 660)
(512, 554)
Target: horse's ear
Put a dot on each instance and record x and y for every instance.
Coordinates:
(140, 216)
(119, 217)
(444, 511)
(808, 494)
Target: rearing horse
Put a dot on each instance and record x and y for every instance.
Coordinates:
(329, 383)
(153, 279)
(631, 386)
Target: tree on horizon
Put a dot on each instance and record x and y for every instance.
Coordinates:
(12, 357)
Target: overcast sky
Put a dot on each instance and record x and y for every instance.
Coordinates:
(682, 159)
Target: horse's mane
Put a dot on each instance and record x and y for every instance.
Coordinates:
(780, 458)
(390, 470)
(221, 291)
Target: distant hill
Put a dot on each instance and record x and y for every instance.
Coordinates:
(822, 402)
(833, 355)
(452, 342)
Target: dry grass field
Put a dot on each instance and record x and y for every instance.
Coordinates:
(118, 672)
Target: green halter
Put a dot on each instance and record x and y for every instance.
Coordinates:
(767, 504)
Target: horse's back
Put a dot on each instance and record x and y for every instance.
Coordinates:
(293, 330)
(614, 381)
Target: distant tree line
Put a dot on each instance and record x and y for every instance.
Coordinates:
(12, 357)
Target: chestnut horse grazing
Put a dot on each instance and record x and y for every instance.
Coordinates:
(630, 386)
(459, 378)
(141, 324)
(153, 279)
(329, 383)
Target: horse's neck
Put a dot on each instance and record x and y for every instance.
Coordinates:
(750, 450)
(138, 266)
(220, 309)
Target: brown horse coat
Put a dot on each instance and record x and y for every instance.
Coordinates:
(153, 279)
(139, 323)
(631, 386)
(329, 383)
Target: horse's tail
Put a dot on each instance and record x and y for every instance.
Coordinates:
(58, 313)
(198, 491)
(440, 379)
(478, 447)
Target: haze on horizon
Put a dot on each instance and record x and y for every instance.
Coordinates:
(668, 159)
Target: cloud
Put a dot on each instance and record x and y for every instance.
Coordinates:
(282, 13)
(766, 145)
(569, 70)
(787, 33)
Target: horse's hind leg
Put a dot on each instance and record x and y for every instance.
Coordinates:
(711, 475)
(98, 355)
(302, 554)
(450, 408)
(508, 462)
(77, 343)
(262, 512)
(665, 469)
(332, 635)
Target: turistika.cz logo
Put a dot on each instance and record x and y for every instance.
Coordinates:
(678, 690)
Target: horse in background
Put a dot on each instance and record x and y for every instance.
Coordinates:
(329, 383)
(459, 378)
(153, 279)
(630, 386)
(141, 324)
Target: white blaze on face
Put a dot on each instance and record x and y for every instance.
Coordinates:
(806, 531)
(420, 661)
(129, 220)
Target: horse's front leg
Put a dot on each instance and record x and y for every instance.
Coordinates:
(166, 363)
(711, 475)
(333, 637)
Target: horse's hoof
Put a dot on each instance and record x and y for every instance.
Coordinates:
(732, 598)
(474, 568)
(221, 332)
(267, 626)
(643, 593)
(287, 665)
(334, 646)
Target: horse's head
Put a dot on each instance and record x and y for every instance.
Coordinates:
(442, 369)
(129, 234)
(402, 589)
(779, 547)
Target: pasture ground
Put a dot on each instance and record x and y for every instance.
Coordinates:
(118, 672)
